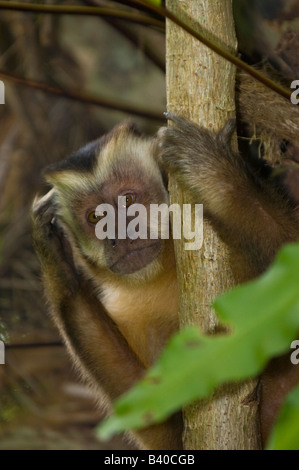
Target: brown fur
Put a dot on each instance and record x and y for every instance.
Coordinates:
(271, 118)
(115, 324)
(112, 336)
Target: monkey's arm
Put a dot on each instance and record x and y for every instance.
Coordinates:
(95, 343)
(252, 215)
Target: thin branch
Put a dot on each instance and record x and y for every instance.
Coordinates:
(144, 8)
(98, 11)
(81, 10)
(131, 34)
(50, 344)
(82, 97)
(284, 92)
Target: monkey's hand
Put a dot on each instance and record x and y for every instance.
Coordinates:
(199, 159)
(249, 212)
(52, 247)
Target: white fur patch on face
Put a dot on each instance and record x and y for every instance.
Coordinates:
(131, 149)
(123, 147)
(69, 181)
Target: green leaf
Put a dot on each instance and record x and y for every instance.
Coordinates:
(264, 318)
(285, 435)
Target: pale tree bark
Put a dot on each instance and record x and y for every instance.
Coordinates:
(201, 87)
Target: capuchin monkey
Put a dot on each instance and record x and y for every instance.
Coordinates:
(115, 301)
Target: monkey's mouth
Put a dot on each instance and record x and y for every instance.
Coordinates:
(136, 259)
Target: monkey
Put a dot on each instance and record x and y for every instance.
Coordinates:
(115, 301)
(92, 285)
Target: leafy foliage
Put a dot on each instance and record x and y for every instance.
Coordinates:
(285, 435)
(263, 316)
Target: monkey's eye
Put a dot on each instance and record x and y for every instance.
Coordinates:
(93, 218)
(128, 199)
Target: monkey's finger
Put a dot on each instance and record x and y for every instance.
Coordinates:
(170, 115)
(178, 120)
(42, 204)
(225, 135)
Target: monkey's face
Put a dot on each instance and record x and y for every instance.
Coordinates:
(123, 173)
(119, 251)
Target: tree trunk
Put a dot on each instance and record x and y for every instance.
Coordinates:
(201, 87)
